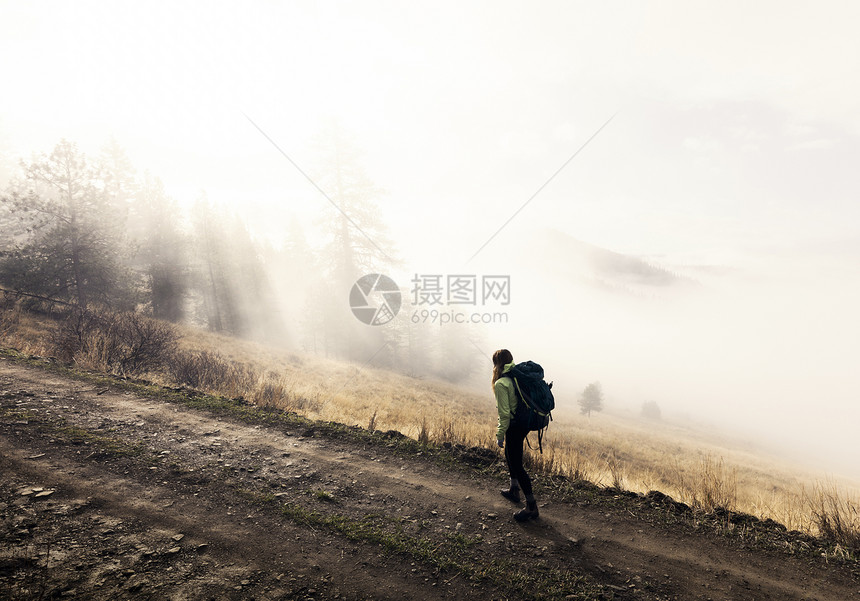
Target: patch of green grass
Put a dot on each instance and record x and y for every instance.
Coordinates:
(526, 579)
(537, 579)
(370, 529)
(454, 553)
(324, 496)
(74, 435)
(105, 445)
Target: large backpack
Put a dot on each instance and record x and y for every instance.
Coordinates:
(534, 398)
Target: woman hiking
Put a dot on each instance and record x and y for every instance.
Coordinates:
(511, 436)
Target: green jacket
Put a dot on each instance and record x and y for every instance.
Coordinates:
(506, 401)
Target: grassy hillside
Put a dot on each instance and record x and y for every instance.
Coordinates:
(698, 468)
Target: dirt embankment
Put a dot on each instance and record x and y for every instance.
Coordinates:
(107, 493)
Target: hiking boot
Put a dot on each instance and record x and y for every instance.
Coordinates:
(512, 495)
(529, 513)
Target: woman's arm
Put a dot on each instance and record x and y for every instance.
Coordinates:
(505, 403)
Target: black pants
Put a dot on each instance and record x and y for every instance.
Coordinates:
(514, 439)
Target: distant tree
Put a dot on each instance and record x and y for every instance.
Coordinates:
(252, 300)
(69, 236)
(591, 399)
(356, 244)
(11, 227)
(457, 354)
(357, 240)
(7, 156)
(229, 277)
(208, 263)
(211, 266)
(297, 270)
(117, 174)
(161, 249)
(421, 350)
(650, 410)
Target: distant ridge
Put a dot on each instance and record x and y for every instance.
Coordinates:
(602, 268)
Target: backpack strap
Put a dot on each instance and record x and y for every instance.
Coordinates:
(540, 434)
(540, 441)
(519, 390)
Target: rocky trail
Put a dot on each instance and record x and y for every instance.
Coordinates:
(111, 491)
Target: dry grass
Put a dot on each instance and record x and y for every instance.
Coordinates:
(10, 315)
(836, 516)
(701, 470)
(28, 334)
(711, 486)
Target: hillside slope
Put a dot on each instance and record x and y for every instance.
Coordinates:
(111, 490)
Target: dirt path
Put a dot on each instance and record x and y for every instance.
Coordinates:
(107, 494)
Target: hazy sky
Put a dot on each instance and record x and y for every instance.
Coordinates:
(736, 121)
(735, 143)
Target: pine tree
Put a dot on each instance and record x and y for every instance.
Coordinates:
(69, 243)
(356, 245)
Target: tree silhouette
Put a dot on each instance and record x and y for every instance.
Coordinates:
(229, 276)
(591, 399)
(650, 410)
(356, 244)
(161, 249)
